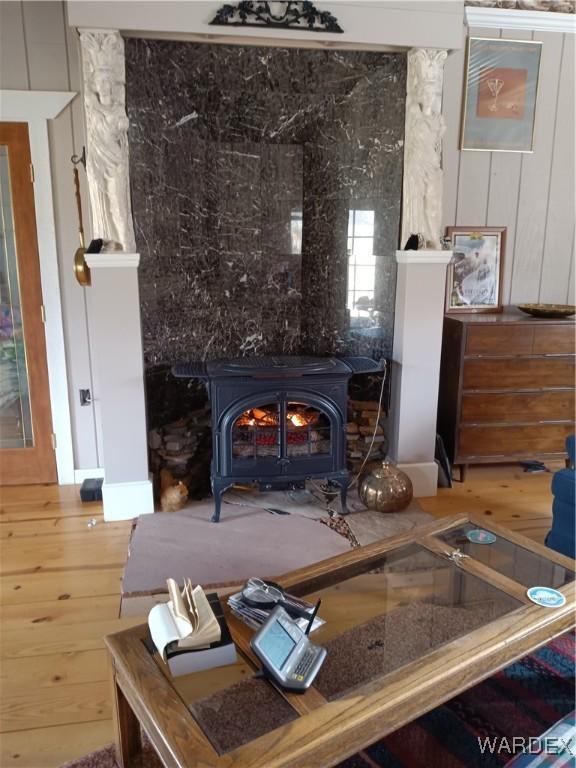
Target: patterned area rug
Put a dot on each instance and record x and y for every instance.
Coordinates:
(523, 700)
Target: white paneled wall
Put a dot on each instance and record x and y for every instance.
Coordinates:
(530, 194)
(39, 52)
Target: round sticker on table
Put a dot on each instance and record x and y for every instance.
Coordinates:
(546, 597)
(478, 536)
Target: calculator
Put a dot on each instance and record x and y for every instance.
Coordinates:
(286, 652)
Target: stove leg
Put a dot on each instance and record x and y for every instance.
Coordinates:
(343, 494)
(343, 486)
(217, 491)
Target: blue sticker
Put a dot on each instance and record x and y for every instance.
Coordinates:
(546, 597)
(478, 536)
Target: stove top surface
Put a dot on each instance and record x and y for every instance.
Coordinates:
(276, 365)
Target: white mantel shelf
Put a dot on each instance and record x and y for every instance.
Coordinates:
(423, 257)
(112, 260)
(376, 24)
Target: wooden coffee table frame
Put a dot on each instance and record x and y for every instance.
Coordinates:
(329, 731)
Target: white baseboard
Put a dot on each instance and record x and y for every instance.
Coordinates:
(123, 501)
(424, 476)
(86, 474)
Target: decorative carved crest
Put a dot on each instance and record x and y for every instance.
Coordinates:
(283, 15)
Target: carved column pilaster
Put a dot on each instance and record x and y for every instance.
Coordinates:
(422, 193)
(107, 168)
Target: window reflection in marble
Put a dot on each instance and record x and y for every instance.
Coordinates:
(296, 231)
(361, 264)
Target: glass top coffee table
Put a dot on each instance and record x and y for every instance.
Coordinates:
(411, 621)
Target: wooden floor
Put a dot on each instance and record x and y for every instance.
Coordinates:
(60, 586)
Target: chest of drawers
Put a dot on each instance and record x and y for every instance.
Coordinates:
(506, 387)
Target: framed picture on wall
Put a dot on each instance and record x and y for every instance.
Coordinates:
(474, 276)
(500, 95)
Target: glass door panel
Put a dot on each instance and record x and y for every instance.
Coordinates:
(27, 444)
(15, 414)
(256, 433)
(307, 430)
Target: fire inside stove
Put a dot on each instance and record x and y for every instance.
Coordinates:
(260, 431)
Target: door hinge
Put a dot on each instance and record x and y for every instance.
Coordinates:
(53, 438)
(32, 179)
(43, 313)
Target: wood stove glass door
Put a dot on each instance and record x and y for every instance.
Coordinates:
(256, 433)
(307, 431)
(282, 437)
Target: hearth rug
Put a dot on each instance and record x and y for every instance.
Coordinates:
(248, 542)
(474, 730)
(262, 534)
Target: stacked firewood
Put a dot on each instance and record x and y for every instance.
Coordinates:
(362, 421)
(182, 448)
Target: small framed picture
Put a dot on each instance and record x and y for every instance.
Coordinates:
(474, 277)
(500, 95)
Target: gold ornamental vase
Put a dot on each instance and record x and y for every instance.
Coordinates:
(386, 488)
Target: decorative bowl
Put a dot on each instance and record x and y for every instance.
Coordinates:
(548, 310)
(386, 488)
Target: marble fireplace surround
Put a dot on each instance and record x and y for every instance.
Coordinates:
(421, 275)
(250, 167)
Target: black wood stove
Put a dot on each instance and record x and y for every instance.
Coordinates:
(277, 421)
